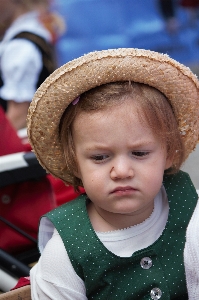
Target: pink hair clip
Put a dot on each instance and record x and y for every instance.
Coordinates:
(74, 102)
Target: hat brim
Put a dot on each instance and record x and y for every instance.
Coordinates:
(173, 79)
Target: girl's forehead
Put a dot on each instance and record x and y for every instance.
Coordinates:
(117, 118)
(112, 130)
(124, 123)
(126, 108)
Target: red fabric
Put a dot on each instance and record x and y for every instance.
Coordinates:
(23, 204)
(23, 281)
(190, 3)
(10, 142)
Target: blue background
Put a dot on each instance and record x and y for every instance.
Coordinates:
(104, 24)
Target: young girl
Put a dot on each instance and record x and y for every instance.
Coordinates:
(119, 123)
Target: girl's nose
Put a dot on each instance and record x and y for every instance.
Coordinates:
(121, 169)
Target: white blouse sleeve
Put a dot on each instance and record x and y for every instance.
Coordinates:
(21, 64)
(53, 277)
(191, 256)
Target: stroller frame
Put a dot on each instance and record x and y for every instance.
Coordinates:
(16, 168)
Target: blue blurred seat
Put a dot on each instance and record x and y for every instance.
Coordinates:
(102, 24)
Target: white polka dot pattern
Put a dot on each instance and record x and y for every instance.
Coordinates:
(156, 272)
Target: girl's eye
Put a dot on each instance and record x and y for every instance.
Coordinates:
(99, 157)
(140, 153)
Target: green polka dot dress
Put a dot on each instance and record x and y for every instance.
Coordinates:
(156, 272)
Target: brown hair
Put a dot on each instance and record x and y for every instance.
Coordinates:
(153, 107)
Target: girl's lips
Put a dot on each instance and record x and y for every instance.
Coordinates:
(123, 190)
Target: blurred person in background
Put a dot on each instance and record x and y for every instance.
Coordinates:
(192, 7)
(168, 12)
(29, 31)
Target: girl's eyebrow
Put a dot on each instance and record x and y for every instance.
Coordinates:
(97, 147)
(143, 144)
(133, 146)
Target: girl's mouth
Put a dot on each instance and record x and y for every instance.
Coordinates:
(123, 190)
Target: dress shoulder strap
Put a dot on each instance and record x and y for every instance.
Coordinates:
(47, 49)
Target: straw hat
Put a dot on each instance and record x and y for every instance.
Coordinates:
(173, 79)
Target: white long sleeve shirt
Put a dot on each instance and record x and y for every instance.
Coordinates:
(21, 60)
(191, 256)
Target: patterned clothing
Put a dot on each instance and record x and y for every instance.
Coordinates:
(151, 273)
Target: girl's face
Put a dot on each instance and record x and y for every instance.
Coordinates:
(121, 164)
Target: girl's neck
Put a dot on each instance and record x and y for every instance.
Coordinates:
(104, 221)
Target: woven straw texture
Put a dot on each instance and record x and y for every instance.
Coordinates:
(173, 79)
